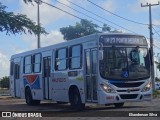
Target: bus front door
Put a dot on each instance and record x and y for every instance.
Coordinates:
(91, 74)
(46, 76)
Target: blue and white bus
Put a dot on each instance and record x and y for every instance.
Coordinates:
(102, 68)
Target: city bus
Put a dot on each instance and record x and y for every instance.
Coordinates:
(102, 68)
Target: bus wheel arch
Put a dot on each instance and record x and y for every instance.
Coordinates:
(29, 98)
(75, 98)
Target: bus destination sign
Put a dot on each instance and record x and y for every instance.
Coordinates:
(123, 40)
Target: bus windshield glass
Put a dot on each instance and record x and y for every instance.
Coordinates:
(121, 63)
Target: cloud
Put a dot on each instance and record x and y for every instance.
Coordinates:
(136, 7)
(53, 38)
(156, 22)
(16, 50)
(5, 56)
(31, 43)
(48, 14)
(4, 64)
(149, 1)
(109, 5)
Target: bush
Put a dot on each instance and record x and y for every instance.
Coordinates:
(156, 94)
(4, 82)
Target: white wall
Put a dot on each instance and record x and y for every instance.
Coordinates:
(156, 70)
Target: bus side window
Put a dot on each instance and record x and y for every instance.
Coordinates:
(61, 59)
(27, 68)
(75, 61)
(37, 63)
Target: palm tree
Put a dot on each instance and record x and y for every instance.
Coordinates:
(12, 24)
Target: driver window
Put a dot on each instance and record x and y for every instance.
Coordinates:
(135, 57)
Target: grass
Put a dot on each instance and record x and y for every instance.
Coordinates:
(156, 93)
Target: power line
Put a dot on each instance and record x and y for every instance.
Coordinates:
(116, 14)
(61, 10)
(154, 12)
(158, 26)
(97, 16)
(83, 14)
(100, 16)
(151, 40)
(156, 31)
(70, 13)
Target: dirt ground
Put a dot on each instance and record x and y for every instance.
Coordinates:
(63, 111)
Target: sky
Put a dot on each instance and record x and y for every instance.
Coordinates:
(52, 20)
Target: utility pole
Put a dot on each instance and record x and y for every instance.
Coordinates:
(38, 22)
(151, 41)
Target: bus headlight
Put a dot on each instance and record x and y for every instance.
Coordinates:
(107, 88)
(147, 87)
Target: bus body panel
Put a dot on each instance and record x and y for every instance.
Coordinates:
(60, 86)
(34, 82)
(54, 84)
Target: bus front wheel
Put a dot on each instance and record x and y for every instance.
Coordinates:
(75, 100)
(29, 99)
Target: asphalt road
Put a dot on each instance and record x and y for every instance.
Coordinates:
(92, 110)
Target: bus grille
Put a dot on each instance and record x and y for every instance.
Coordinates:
(127, 85)
(128, 96)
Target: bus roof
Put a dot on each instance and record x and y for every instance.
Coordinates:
(70, 42)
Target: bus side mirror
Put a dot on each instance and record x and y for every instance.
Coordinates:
(100, 54)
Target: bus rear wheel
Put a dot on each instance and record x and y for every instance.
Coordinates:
(29, 99)
(75, 100)
(118, 105)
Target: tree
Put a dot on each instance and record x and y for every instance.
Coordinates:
(83, 28)
(106, 28)
(27, 1)
(4, 82)
(19, 23)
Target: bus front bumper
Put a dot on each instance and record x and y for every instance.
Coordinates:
(109, 98)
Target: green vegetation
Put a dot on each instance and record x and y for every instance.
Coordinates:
(4, 82)
(156, 93)
(13, 24)
(83, 28)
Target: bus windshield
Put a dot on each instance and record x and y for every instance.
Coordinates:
(130, 63)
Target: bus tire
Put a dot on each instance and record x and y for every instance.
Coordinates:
(36, 102)
(118, 105)
(29, 99)
(75, 100)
